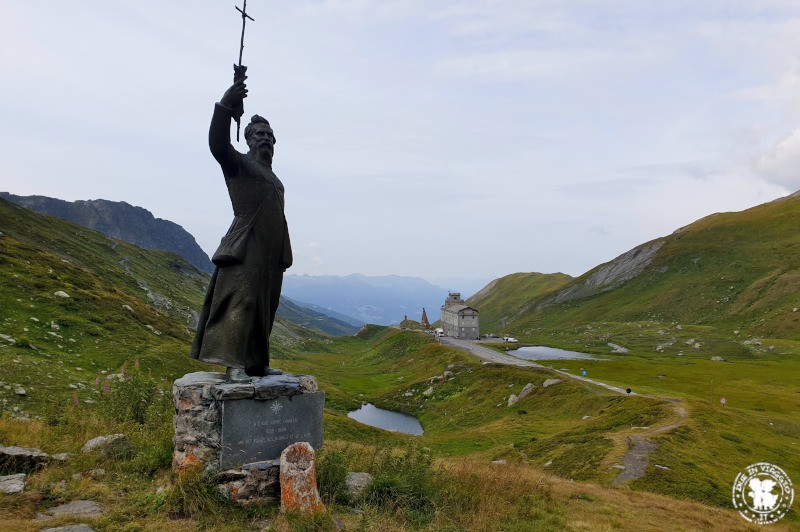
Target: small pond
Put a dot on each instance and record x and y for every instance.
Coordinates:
(373, 416)
(540, 352)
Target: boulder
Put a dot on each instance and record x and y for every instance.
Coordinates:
(60, 293)
(526, 391)
(356, 483)
(112, 444)
(550, 382)
(298, 479)
(81, 508)
(22, 459)
(11, 484)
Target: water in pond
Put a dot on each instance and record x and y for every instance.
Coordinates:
(373, 416)
(540, 352)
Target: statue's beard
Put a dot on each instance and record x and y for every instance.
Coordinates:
(263, 152)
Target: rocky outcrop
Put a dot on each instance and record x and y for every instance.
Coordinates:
(22, 459)
(608, 276)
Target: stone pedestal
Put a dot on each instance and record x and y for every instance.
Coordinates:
(237, 431)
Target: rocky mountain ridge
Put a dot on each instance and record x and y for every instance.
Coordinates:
(123, 221)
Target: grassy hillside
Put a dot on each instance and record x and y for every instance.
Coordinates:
(124, 303)
(732, 271)
(501, 301)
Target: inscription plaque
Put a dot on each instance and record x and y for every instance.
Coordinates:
(255, 431)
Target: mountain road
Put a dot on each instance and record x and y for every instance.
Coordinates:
(490, 355)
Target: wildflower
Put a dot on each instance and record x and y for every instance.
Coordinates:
(75, 399)
(107, 388)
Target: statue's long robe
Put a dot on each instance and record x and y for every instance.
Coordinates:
(242, 299)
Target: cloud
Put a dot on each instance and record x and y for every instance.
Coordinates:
(780, 165)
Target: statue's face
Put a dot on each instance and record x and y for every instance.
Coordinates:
(261, 137)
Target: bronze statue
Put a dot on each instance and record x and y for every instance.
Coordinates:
(242, 299)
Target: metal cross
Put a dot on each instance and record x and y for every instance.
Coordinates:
(245, 16)
(238, 71)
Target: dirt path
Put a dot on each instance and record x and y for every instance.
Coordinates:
(639, 447)
(637, 458)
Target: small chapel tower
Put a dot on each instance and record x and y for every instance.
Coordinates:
(424, 321)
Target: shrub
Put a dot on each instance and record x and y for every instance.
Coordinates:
(23, 343)
(135, 397)
(331, 477)
(191, 495)
(404, 481)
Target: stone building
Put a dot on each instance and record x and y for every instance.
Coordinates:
(458, 319)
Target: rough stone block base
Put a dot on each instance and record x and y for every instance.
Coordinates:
(237, 431)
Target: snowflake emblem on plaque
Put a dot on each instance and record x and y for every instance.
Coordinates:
(276, 407)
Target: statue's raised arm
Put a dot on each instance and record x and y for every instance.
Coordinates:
(229, 107)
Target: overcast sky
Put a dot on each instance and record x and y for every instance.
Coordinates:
(436, 138)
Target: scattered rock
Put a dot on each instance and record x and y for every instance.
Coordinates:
(70, 528)
(11, 484)
(618, 348)
(129, 309)
(61, 293)
(499, 462)
(586, 417)
(60, 457)
(428, 392)
(550, 382)
(8, 339)
(20, 391)
(662, 467)
(96, 473)
(548, 463)
(22, 459)
(356, 483)
(298, 480)
(80, 508)
(618, 466)
(526, 391)
(717, 359)
(113, 444)
(448, 374)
